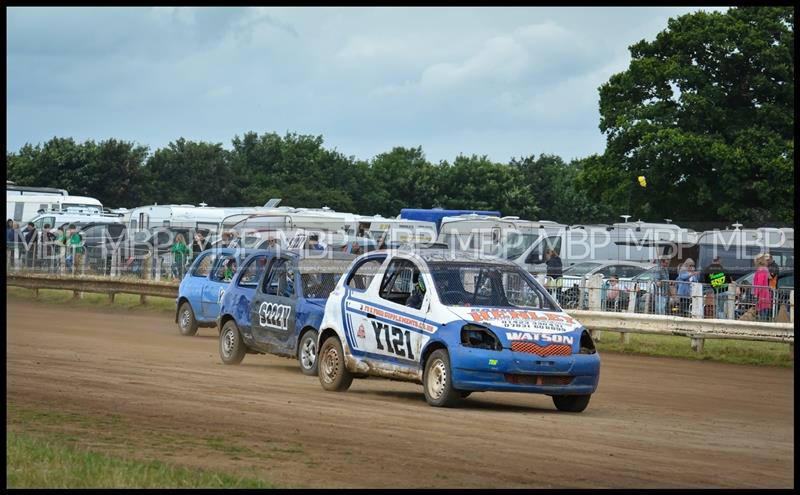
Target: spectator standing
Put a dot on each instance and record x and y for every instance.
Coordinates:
(11, 238)
(773, 272)
(554, 265)
(180, 254)
(687, 275)
(29, 237)
(661, 286)
(761, 288)
(313, 243)
(73, 241)
(198, 244)
(612, 294)
(715, 276)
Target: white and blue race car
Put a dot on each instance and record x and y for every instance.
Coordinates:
(457, 324)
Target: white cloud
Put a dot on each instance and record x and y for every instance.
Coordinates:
(501, 80)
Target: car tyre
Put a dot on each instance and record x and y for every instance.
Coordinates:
(307, 353)
(187, 323)
(437, 380)
(333, 374)
(571, 403)
(231, 347)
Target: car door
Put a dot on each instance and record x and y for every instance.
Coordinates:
(192, 286)
(385, 329)
(246, 286)
(272, 313)
(214, 288)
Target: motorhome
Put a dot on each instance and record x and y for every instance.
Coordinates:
(397, 231)
(737, 248)
(632, 241)
(22, 206)
(507, 237)
(189, 216)
(435, 215)
(56, 218)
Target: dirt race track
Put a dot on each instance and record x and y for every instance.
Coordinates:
(654, 422)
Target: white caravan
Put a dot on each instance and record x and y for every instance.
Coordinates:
(58, 218)
(397, 231)
(506, 237)
(186, 216)
(23, 207)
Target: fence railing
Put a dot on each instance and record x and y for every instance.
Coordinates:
(697, 329)
(675, 298)
(121, 260)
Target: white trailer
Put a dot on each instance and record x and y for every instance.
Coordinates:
(23, 206)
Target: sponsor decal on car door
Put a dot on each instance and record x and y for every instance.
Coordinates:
(274, 305)
(379, 324)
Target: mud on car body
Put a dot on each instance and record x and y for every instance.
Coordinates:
(278, 308)
(202, 288)
(474, 325)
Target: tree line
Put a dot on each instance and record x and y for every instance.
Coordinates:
(705, 113)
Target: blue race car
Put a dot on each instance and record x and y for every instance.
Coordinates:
(201, 289)
(280, 311)
(457, 324)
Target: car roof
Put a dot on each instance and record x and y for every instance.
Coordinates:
(445, 255)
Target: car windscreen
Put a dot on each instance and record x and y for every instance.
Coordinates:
(487, 284)
(580, 269)
(319, 277)
(516, 243)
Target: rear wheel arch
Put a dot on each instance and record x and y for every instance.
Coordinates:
(181, 300)
(325, 334)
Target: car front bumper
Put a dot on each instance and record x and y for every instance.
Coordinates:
(486, 370)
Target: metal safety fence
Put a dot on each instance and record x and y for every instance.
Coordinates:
(675, 298)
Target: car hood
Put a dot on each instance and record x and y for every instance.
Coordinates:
(512, 325)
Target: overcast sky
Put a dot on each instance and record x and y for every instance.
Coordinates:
(504, 82)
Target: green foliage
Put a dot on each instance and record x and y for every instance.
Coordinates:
(706, 113)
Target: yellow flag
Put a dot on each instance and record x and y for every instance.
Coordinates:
(642, 181)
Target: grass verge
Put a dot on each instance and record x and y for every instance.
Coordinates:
(126, 301)
(722, 350)
(33, 462)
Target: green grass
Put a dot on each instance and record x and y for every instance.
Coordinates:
(126, 301)
(34, 462)
(722, 350)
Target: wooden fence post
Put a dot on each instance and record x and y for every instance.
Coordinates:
(730, 298)
(593, 286)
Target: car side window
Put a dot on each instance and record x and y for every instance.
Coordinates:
(252, 272)
(280, 279)
(203, 268)
(362, 275)
(397, 283)
(225, 269)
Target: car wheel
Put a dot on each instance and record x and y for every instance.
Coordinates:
(571, 403)
(333, 374)
(231, 347)
(186, 322)
(307, 353)
(437, 380)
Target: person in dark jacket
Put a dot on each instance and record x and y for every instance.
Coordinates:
(29, 236)
(714, 275)
(554, 265)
